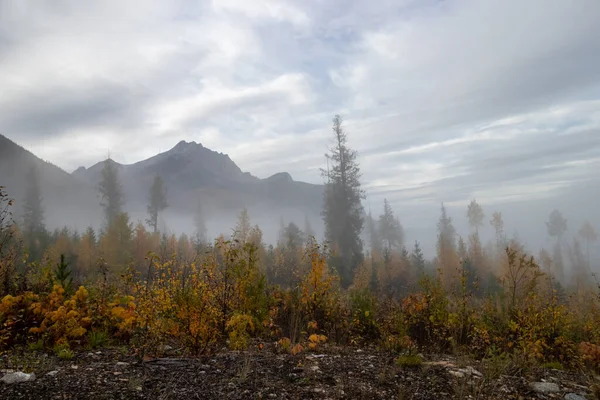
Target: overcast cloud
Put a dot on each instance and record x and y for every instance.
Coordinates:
(444, 100)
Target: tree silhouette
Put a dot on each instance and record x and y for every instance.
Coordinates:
(475, 215)
(342, 208)
(33, 213)
(111, 192)
(157, 202)
(390, 230)
(588, 233)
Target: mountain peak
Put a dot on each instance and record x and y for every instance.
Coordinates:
(184, 146)
(79, 171)
(281, 177)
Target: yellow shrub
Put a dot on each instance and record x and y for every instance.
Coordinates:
(240, 326)
(122, 317)
(64, 321)
(16, 317)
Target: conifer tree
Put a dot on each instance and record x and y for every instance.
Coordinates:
(477, 264)
(588, 233)
(417, 260)
(475, 216)
(157, 202)
(87, 250)
(116, 242)
(557, 226)
(498, 224)
(8, 255)
(33, 214)
(242, 230)
(448, 261)
(579, 265)
(63, 275)
(373, 234)
(342, 208)
(111, 192)
(390, 230)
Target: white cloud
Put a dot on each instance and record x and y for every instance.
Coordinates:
(279, 10)
(443, 100)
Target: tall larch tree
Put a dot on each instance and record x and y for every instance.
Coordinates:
(477, 262)
(243, 227)
(557, 226)
(447, 256)
(373, 234)
(497, 222)
(475, 215)
(289, 255)
(111, 191)
(580, 273)
(342, 208)
(589, 235)
(116, 244)
(390, 230)
(88, 255)
(157, 202)
(33, 214)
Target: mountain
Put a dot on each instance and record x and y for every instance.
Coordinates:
(60, 190)
(192, 174)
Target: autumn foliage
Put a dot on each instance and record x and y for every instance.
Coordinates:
(151, 292)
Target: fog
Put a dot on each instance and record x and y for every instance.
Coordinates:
(231, 104)
(524, 220)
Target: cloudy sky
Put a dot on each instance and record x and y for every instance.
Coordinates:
(444, 100)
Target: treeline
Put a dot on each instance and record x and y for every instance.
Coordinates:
(146, 288)
(352, 236)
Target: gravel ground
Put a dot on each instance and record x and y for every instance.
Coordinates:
(328, 373)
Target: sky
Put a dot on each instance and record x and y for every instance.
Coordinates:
(444, 100)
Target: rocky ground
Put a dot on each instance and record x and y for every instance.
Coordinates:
(328, 373)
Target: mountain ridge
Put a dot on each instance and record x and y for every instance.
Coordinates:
(193, 175)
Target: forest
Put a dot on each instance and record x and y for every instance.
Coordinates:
(128, 283)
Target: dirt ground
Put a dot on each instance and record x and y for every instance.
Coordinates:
(327, 373)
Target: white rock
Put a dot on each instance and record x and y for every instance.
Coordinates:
(544, 387)
(17, 377)
(122, 364)
(470, 371)
(52, 373)
(457, 374)
(573, 396)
